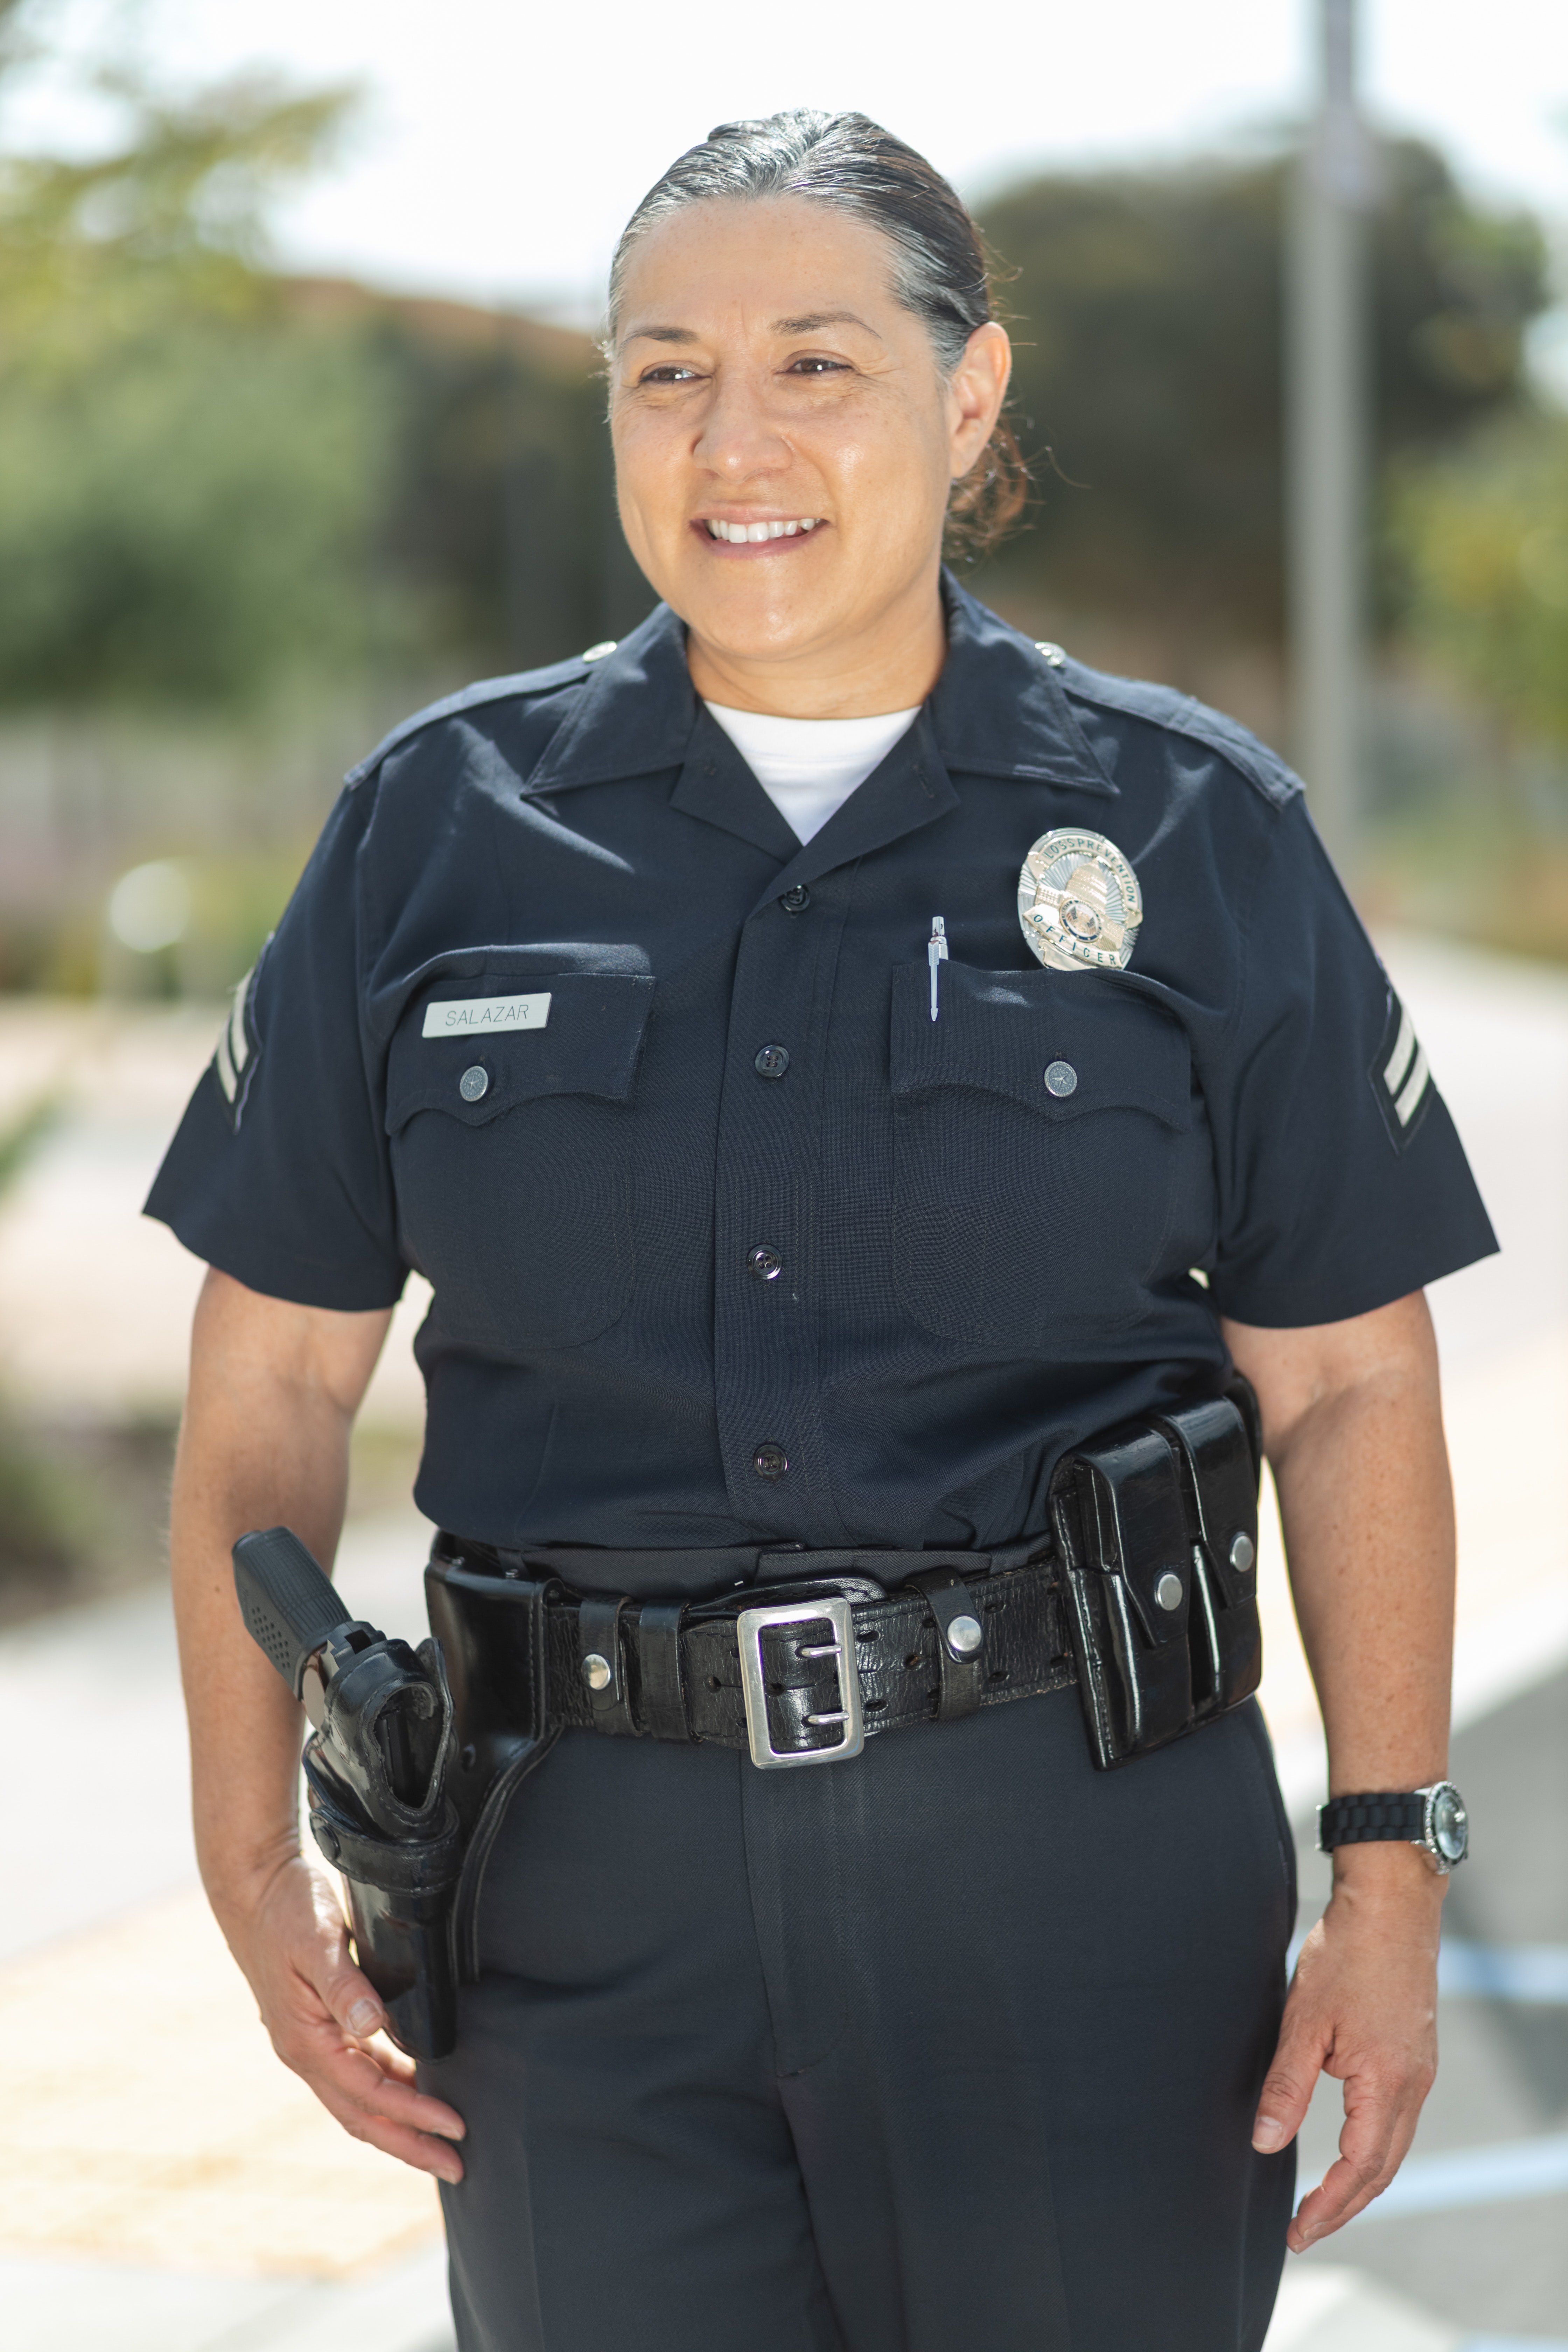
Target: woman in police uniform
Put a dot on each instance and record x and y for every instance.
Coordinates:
(793, 1208)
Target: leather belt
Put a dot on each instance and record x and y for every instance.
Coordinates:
(801, 1668)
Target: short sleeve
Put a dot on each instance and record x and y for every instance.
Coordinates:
(278, 1172)
(1343, 1181)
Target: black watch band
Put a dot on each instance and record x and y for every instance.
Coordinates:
(1370, 1820)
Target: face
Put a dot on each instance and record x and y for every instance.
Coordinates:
(785, 441)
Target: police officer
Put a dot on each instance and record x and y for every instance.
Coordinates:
(833, 1057)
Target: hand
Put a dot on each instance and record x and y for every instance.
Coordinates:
(323, 2017)
(1362, 2007)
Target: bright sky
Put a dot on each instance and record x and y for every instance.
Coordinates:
(503, 146)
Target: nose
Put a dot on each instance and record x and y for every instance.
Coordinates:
(739, 439)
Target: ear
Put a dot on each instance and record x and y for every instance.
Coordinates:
(975, 394)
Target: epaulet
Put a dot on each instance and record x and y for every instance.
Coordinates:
(1162, 705)
(472, 698)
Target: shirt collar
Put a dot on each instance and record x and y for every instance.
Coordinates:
(911, 788)
(998, 709)
(636, 715)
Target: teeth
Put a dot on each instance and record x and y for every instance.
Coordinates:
(753, 533)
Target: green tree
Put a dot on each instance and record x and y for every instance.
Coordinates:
(1150, 366)
(1480, 538)
(501, 494)
(215, 481)
(36, 1524)
(186, 516)
(169, 217)
(190, 473)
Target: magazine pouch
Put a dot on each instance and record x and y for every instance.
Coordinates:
(1217, 1464)
(1119, 1519)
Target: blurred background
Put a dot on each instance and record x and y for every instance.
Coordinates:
(300, 427)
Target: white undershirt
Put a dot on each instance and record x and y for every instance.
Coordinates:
(809, 767)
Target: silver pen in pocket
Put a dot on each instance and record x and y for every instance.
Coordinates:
(936, 953)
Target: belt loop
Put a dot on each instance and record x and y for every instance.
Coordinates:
(533, 1596)
(602, 1665)
(960, 1641)
(662, 1701)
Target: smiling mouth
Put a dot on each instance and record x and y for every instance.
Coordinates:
(754, 534)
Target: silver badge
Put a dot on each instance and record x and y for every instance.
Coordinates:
(1078, 903)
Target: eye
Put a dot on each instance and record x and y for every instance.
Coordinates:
(817, 367)
(667, 372)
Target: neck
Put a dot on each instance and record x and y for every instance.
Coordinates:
(892, 666)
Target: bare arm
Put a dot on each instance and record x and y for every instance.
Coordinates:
(1354, 1431)
(273, 1392)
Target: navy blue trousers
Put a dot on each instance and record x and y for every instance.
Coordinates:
(952, 2046)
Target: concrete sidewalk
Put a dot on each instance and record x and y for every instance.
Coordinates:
(69, 2307)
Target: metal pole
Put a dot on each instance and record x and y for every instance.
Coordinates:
(1327, 406)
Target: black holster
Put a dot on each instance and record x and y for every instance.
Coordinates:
(386, 1733)
(1156, 1530)
(491, 1631)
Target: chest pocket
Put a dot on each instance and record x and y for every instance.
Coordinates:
(512, 1152)
(1038, 1127)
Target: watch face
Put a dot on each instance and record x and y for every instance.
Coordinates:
(1450, 1824)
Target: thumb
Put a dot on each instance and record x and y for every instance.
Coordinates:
(351, 1997)
(1287, 2092)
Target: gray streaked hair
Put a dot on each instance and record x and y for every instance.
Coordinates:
(854, 166)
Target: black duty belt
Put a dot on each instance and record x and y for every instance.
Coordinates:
(1144, 1593)
(802, 1667)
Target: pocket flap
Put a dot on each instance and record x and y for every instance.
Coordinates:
(1060, 1042)
(589, 1044)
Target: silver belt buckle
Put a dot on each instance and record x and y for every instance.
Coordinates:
(749, 1627)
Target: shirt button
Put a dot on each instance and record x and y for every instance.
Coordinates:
(474, 1083)
(770, 1461)
(764, 1262)
(796, 901)
(771, 1062)
(1061, 1078)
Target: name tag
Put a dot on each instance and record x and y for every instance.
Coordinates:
(475, 1015)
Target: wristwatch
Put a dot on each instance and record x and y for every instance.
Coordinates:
(1434, 1818)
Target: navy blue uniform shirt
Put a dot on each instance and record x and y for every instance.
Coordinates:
(730, 1241)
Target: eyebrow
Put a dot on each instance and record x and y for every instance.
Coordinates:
(802, 326)
(815, 318)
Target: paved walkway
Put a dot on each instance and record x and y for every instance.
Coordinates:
(166, 2185)
(169, 2189)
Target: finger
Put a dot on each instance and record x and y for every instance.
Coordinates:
(390, 2058)
(320, 2058)
(437, 2158)
(1345, 2191)
(316, 2049)
(361, 2109)
(1380, 2124)
(361, 2078)
(1287, 2090)
(425, 2151)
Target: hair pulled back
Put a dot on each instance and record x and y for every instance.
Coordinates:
(941, 274)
